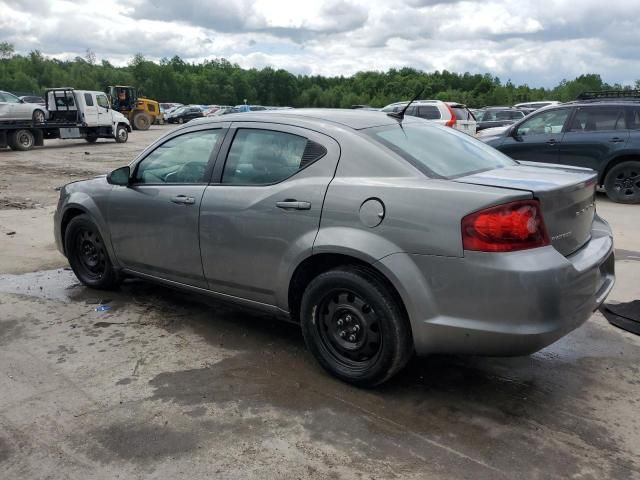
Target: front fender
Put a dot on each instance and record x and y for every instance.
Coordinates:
(81, 201)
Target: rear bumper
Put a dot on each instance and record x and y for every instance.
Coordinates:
(502, 304)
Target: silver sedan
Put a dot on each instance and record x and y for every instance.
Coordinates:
(380, 236)
(13, 108)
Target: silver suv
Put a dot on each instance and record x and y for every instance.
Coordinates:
(450, 114)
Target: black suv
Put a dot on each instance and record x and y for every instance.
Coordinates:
(600, 130)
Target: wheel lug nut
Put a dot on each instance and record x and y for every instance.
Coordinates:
(340, 322)
(356, 328)
(342, 333)
(352, 338)
(348, 319)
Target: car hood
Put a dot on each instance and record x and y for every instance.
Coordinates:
(120, 118)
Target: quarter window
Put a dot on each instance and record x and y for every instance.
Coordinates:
(593, 119)
(182, 159)
(547, 122)
(429, 112)
(262, 157)
(634, 123)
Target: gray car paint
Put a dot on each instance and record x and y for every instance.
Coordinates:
(457, 301)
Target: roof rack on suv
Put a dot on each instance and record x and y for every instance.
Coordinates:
(610, 95)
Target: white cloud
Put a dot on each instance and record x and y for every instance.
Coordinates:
(534, 42)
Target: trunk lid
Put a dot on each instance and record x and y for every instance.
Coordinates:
(566, 195)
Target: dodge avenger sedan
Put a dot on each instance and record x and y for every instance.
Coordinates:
(381, 235)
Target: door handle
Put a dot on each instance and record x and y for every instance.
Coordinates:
(293, 205)
(616, 140)
(552, 142)
(183, 200)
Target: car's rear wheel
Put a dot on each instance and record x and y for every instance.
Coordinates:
(355, 327)
(22, 140)
(180, 120)
(622, 183)
(87, 254)
(38, 116)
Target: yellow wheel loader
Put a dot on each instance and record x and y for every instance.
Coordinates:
(142, 112)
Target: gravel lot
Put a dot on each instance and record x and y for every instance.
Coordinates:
(169, 385)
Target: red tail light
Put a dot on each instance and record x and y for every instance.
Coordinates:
(452, 122)
(505, 228)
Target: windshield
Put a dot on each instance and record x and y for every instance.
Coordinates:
(439, 151)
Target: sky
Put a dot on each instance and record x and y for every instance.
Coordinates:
(537, 42)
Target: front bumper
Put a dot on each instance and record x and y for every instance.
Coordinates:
(502, 303)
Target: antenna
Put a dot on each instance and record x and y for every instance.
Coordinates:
(400, 115)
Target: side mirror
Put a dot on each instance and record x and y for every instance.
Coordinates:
(119, 176)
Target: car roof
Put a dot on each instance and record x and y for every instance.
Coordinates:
(356, 119)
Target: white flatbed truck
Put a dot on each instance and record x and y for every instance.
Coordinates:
(72, 114)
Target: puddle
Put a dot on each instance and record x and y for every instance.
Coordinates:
(61, 285)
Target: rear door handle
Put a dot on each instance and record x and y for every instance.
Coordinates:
(183, 200)
(552, 142)
(616, 140)
(293, 205)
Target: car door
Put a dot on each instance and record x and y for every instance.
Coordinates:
(103, 108)
(594, 134)
(154, 221)
(263, 214)
(90, 109)
(538, 137)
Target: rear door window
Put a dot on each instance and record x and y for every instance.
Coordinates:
(88, 99)
(462, 113)
(265, 157)
(547, 122)
(429, 112)
(595, 119)
(634, 120)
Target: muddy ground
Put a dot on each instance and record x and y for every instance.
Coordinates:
(169, 385)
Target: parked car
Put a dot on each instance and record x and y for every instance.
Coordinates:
(490, 117)
(249, 108)
(14, 109)
(33, 99)
(184, 114)
(602, 134)
(381, 236)
(451, 114)
(533, 106)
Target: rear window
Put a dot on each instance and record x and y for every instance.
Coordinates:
(462, 113)
(437, 151)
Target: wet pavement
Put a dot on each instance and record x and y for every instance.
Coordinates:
(168, 384)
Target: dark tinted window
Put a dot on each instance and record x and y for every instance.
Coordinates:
(544, 123)
(88, 99)
(439, 152)
(182, 159)
(634, 121)
(593, 119)
(516, 115)
(259, 157)
(430, 112)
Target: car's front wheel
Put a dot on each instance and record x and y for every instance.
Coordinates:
(88, 255)
(355, 326)
(622, 183)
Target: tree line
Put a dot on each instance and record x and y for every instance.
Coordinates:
(221, 82)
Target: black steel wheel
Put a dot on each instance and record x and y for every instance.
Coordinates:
(355, 326)
(87, 254)
(622, 182)
(22, 140)
(122, 134)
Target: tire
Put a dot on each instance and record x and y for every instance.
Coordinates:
(22, 140)
(38, 117)
(88, 255)
(180, 120)
(91, 139)
(142, 121)
(354, 326)
(622, 183)
(122, 134)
